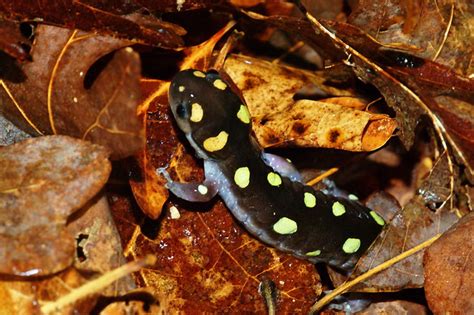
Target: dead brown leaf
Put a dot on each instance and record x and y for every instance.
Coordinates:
(54, 97)
(42, 182)
(449, 270)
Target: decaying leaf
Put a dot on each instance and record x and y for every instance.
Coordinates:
(42, 182)
(54, 97)
(405, 24)
(449, 270)
(278, 119)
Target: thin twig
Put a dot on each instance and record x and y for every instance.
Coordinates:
(346, 286)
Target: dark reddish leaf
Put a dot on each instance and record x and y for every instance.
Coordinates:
(449, 270)
(53, 97)
(93, 16)
(207, 262)
(42, 181)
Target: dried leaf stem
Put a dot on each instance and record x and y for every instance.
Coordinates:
(98, 284)
(346, 286)
(324, 175)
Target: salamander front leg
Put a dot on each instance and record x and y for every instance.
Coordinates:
(281, 166)
(193, 192)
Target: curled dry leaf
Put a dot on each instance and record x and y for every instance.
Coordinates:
(279, 119)
(97, 17)
(147, 186)
(449, 270)
(53, 97)
(414, 86)
(42, 182)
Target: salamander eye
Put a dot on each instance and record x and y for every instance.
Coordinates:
(181, 111)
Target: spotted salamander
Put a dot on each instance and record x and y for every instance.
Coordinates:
(262, 190)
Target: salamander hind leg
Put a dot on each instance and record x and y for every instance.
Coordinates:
(193, 192)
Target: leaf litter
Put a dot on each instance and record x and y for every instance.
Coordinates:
(204, 259)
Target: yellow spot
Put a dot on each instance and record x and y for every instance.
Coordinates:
(338, 209)
(174, 212)
(243, 114)
(181, 88)
(377, 218)
(196, 112)
(285, 226)
(309, 200)
(216, 143)
(351, 245)
(242, 177)
(313, 253)
(202, 189)
(220, 84)
(353, 197)
(199, 74)
(274, 179)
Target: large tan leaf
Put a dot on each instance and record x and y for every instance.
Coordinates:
(278, 119)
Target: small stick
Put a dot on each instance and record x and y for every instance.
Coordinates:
(319, 178)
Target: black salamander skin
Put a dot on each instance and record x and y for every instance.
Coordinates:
(281, 212)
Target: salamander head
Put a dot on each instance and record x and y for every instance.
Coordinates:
(214, 119)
